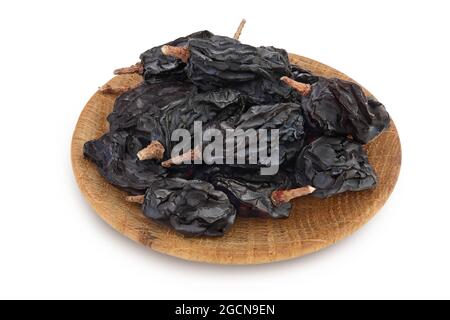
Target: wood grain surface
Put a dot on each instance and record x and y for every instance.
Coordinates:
(314, 223)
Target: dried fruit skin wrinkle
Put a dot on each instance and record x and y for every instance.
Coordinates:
(154, 111)
(115, 157)
(146, 100)
(248, 191)
(334, 165)
(302, 75)
(287, 118)
(339, 108)
(252, 199)
(222, 62)
(158, 67)
(191, 207)
(204, 107)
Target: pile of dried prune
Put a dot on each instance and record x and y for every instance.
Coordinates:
(319, 125)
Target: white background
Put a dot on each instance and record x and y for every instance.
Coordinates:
(54, 55)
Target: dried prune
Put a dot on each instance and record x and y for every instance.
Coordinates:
(286, 118)
(146, 100)
(154, 111)
(252, 199)
(191, 207)
(156, 67)
(247, 190)
(222, 62)
(115, 157)
(302, 75)
(339, 107)
(212, 106)
(334, 165)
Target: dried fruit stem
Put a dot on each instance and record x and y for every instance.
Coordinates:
(155, 150)
(282, 196)
(138, 68)
(108, 89)
(237, 35)
(177, 52)
(303, 88)
(136, 199)
(188, 156)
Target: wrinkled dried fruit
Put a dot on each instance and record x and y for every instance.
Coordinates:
(222, 62)
(287, 118)
(302, 75)
(252, 199)
(340, 108)
(115, 156)
(146, 100)
(247, 190)
(191, 207)
(334, 165)
(158, 67)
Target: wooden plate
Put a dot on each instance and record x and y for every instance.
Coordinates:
(314, 223)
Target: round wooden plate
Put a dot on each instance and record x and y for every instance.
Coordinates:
(314, 223)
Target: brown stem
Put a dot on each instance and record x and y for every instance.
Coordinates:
(303, 88)
(136, 199)
(188, 156)
(108, 89)
(138, 68)
(182, 53)
(282, 196)
(237, 35)
(155, 150)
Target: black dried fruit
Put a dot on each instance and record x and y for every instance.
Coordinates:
(287, 118)
(334, 165)
(206, 107)
(191, 207)
(222, 62)
(249, 191)
(115, 157)
(252, 199)
(154, 111)
(339, 107)
(147, 100)
(156, 67)
(302, 75)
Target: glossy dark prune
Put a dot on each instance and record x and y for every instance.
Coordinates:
(252, 199)
(334, 165)
(302, 75)
(203, 107)
(222, 62)
(338, 107)
(146, 100)
(157, 67)
(154, 111)
(249, 191)
(115, 157)
(286, 118)
(191, 207)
